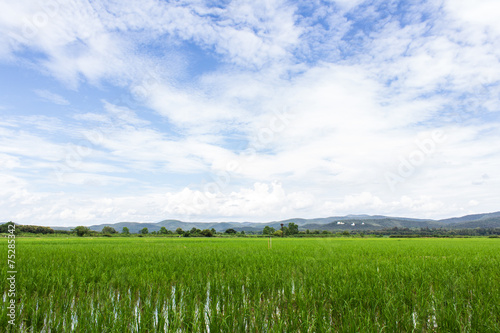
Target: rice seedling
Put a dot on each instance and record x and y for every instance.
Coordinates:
(244, 285)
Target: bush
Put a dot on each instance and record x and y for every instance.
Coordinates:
(207, 233)
(108, 230)
(35, 229)
(81, 231)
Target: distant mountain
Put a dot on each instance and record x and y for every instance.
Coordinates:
(492, 222)
(470, 218)
(333, 223)
(327, 220)
(373, 224)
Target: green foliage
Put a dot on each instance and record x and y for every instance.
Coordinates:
(123, 284)
(144, 231)
(108, 230)
(81, 231)
(268, 230)
(34, 229)
(163, 231)
(230, 231)
(31, 229)
(4, 228)
(125, 231)
(207, 233)
(62, 232)
(278, 233)
(195, 231)
(179, 231)
(293, 229)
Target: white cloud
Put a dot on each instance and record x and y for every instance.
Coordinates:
(8, 162)
(348, 4)
(481, 13)
(51, 97)
(354, 103)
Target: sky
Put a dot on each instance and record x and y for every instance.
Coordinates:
(255, 110)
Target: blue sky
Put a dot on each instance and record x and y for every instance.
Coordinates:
(247, 110)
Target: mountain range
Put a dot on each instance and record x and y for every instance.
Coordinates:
(333, 223)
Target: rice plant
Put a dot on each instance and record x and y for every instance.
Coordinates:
(241, 285)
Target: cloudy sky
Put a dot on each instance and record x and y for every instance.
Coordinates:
(247, 110)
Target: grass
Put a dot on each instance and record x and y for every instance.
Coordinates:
(240, 285)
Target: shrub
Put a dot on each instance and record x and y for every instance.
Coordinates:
(81, 231)
(207, 233)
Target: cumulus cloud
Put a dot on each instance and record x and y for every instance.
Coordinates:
(290, 109)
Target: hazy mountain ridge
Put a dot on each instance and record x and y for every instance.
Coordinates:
(333, 223)
(471, 218)
(491, 222)
(374, 224)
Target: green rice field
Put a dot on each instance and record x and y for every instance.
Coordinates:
(147, 284)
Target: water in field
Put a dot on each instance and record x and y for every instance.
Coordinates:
(240, 285)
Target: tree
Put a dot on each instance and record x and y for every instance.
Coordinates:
(207, 233)
(293, 229)
(125, 231)
(144, 231)
(179, 231)
(230, 231)
(163, 231)
(268, 230)
(108, 230)
(81, 231)
(195, 231)
(213, 231)
(4, 228)
(278, 233)
(34, 229)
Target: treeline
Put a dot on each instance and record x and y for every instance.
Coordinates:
(32, 229)
(179, 232)
(291, 230)
(109, 231)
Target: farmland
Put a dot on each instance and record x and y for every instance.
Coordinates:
(240, 284)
